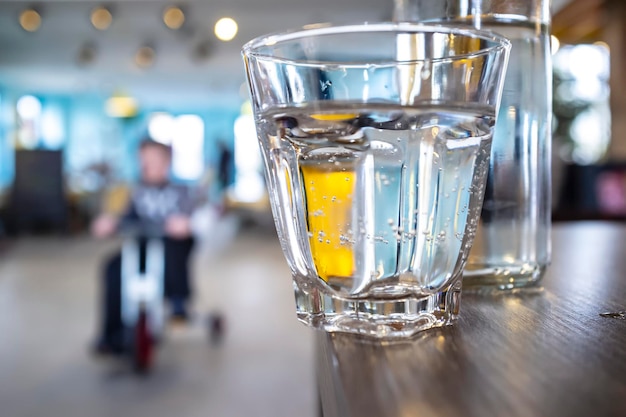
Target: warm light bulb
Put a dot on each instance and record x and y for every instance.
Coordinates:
(173, 17)
(226, 29)
(30, 20)
(145, 57)
(101, 18)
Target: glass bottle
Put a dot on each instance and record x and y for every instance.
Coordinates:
(512, 246)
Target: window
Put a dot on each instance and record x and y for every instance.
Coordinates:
(249, 185)
(581, 102)
(28, 121)
(185, 134)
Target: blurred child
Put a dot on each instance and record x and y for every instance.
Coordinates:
(155, 204)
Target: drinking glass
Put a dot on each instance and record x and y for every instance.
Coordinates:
(376, 141)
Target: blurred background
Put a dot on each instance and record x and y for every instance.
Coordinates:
(83, 82)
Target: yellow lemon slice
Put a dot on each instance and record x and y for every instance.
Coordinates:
(334, 117)
(329, 215)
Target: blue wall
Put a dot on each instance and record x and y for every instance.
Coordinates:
(90, 136)
(6, 152)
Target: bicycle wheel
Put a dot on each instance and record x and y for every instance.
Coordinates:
(143, 344)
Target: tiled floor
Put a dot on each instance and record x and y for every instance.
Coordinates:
(48, 293)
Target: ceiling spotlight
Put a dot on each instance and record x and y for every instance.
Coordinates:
(30, 20)
(173, 17)
(202, 51)
(145, 56)
(226, 29)
(86, 54)
(101, 18)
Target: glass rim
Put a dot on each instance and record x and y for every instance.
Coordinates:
(252, 48)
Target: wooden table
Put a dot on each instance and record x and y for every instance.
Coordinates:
(547, 352)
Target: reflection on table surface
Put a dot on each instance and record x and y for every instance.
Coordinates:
(543, 352)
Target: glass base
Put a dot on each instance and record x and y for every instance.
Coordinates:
(487, 277)
(389, 318)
